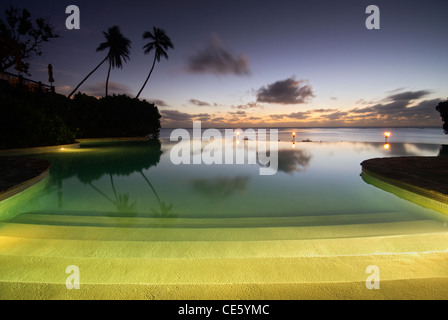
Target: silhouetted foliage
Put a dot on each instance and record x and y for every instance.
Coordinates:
(118, 53)
(114, 116)
(30, 119)
(21, 39)
(443, 109)
(443, 150)
(159, 42)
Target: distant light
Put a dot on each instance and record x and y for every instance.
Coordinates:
(387, 146)
(62, 149)
(387, 134)
(293, 134)
(293, 145)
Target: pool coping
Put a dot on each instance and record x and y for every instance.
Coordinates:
(38, 150)
(38, 170)
(423, 178)
(41, 168)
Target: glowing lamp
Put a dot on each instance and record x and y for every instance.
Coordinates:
(294, 134)
(387, 146)
(387, 134)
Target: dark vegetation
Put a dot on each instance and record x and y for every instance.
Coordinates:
(443, 109)
(30, 119)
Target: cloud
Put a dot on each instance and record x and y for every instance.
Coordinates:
(293, 115)
(175, 115)
(278, 116)
(178, 118)
(408, 95)
(250, 105)
(238, 113)
(289, 91)
(336, 115)
(159, 103)
(322, 110)
(216, 59)
(199, 103)
(399, 109)
(299, 115)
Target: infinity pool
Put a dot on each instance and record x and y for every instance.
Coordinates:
(127, 216)
(138, 179)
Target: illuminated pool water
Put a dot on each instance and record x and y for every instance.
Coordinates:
(138, 179)
(127, 206)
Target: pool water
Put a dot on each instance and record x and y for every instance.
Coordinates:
(109, 203)
(138, 179)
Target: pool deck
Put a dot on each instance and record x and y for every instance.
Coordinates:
(18, 174)
(424, 176)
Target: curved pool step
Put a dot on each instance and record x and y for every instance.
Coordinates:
(405, 289)
(340, 269)
(104, 220)
(38, 231)
(311, 248)
(208, 259)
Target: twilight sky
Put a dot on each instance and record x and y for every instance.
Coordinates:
(253, 63)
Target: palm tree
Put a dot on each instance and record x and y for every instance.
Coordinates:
(160, 42)
(118, 46)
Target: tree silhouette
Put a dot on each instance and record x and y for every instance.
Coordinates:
(21, 38)
(119, 49)
(165, 209)
(159, 42)
(443, 109)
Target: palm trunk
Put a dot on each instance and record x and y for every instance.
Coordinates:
(76, 89)
(107, 80)
(149, 75)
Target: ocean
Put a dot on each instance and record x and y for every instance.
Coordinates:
(425, 135)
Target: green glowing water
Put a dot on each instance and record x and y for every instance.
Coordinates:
(138, 179)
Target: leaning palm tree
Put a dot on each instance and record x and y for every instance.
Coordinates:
(160, 42)
(118, 46)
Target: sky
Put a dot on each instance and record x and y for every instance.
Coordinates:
(270, 63)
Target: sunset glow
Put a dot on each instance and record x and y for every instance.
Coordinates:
(323, 69)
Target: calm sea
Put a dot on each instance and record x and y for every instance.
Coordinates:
(427, 135)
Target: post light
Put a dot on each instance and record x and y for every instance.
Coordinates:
(386, 135)
(293, 144)
(294, 135)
